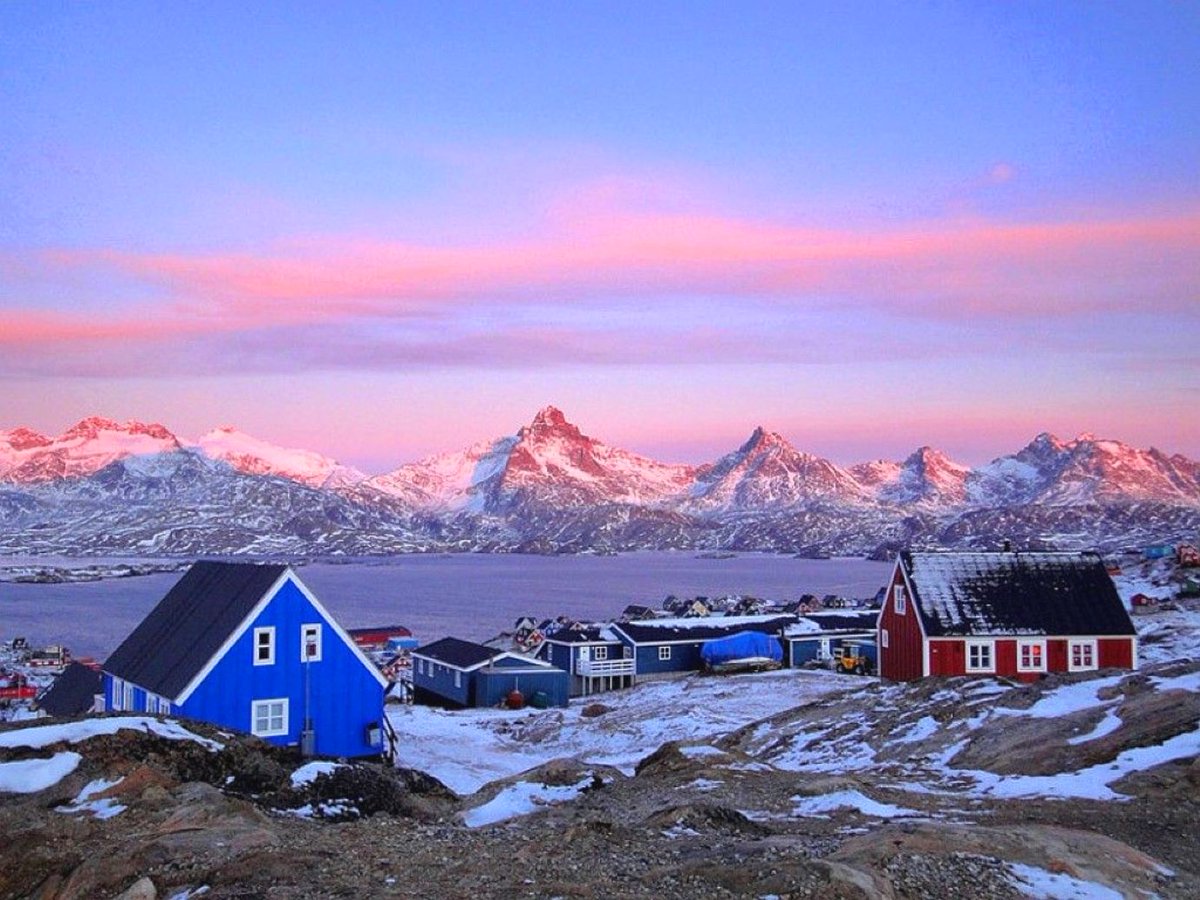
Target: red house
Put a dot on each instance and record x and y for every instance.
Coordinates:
(1014, 614)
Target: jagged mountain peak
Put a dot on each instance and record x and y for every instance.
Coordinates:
(21, 438)
(550, 423)
(93, 427)
(762, 440)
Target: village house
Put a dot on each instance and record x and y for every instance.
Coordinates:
(249, 647)
(457, 673)
(662, 648)
(593, 656)
(814, 638)
(1019, 615)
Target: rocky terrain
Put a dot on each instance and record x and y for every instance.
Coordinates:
(102, 488)
(788, 784)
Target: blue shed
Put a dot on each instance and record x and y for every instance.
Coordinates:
(593, 656)
(249, 647)
(458, 673)
(815, 637)
(665, 647)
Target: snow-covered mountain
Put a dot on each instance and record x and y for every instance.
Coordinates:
(548, 462)
(252, 456)
(137, 488)
(1085, 470)
(27, 457)
(768, 473)
(927, 477)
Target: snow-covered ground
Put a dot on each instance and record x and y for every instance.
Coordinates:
(466, 749)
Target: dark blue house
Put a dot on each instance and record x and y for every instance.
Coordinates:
(594, 657)
(815, 637)
(665, 647)
(248, 647)
(453, 672)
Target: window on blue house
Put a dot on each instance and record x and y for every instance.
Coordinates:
(264, 646)
(600, 653)
(269, 718)
(310, 643)
(457, 678)
(664, 653)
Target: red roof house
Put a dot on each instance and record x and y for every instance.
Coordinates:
(1019, 615)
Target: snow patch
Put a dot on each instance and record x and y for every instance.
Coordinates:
(75, 732)
(1041, 883)
(28, 776)
(849, 799)
(521, 799)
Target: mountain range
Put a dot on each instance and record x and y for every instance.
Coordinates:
(103, 487)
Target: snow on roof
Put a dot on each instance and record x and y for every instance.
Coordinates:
(832, 622)
(1015, 593)
(700, 627)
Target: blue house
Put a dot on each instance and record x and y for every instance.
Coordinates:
(453, 672)
(593, 656)
(662, 648)
(249, 647)
(815, 637)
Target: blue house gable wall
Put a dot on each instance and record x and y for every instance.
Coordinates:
(340, 695)
(339, 692)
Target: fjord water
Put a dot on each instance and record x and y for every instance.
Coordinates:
(472, 596)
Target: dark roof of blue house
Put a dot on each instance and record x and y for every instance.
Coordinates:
(457, 653)
(1015, 593)
(72, 693)
(189, 625)
(705, 628)
(592, 635)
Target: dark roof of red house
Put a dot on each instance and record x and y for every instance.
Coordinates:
(1014, 594)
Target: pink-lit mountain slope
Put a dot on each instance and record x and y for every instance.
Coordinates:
(550, 462)
(767, 472)
(928, 478)
(252, 456)
(27, 457)
(1085, 470)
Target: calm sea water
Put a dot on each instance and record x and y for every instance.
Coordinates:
(472, 596)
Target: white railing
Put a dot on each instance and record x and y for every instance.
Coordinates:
(595, 668)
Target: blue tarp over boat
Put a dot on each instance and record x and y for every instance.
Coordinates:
(745, 645)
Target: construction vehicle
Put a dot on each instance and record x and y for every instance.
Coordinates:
(851, 657)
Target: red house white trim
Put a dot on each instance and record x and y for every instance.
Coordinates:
(1019, 615)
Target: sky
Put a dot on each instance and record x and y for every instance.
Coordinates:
(386, 230)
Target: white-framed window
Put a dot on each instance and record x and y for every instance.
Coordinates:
(127, 697)
(264, 646)
(899, 599)
(269, 718)
(1031, 656)
(116, 694)
(664, 653)
(457, 678)
(1081, 656)
(599, 653)
(980, 656)
(883, 637)
(164, 706)
(310, 643)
